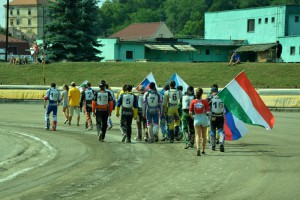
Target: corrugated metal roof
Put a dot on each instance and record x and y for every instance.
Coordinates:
(185, 47)
(160, 47)
(256, 47)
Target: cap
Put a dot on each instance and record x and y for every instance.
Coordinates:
(214, 89)
(235, 51)
(83, 85)
(73, 84)
(141, 88)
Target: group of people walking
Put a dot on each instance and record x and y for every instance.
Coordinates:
(180, 116)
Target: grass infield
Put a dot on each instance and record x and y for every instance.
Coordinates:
(262, 75)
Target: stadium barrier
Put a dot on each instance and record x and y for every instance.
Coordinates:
(273, 98)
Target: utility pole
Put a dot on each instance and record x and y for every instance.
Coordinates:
(6, 45)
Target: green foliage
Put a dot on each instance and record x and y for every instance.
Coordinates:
(2, 30)
(72, 33)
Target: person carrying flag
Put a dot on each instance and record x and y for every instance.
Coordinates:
(187, 122)
(199, 109)
(87, 96)
(102, 107)
(141, 121)
(53, 98)
(171, 100)
(152, 108)
(129, 104)
(216, 119)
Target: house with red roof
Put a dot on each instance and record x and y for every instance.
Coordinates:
(15, 46)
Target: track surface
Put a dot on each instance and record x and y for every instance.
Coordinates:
(71, 164)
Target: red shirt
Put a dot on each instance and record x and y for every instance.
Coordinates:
(199, 106)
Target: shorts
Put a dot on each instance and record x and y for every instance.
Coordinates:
(65, 104)
(71, 110)
(201, 120)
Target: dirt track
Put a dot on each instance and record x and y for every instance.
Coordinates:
(72, 164)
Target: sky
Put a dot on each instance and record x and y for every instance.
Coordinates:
(2, 12)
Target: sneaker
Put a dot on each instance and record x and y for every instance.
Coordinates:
(222, 148)
(187, 146)
(155, 137)
(128, 141)
(100, 136)
(164, 138)
(66, 121)
(171, 141)
(69, 123)
(124, 138)
(213, 148)
(203, 152)
(89, 128)
(198, 152)
(145, 139)
(77, 124)
(109, 127)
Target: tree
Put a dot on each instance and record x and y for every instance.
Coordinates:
(72, 33)
(2, 30)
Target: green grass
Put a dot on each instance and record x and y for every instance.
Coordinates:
(262, 75)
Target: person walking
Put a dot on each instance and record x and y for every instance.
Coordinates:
(102, 107)
(87, 96)
(129, 104)
(152, 109)
(199, 109)
(141, 122)
(187, 121)
(216, 119)
(74, 100)
(51, 101)
(171, 100)
(65, 102)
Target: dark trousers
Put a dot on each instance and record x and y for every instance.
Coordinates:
(101, 122)
(126, 122)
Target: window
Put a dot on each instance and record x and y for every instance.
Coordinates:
(129, 54)
(296, 18)
(218, 52)
(273, 19)
(250, 25)
(199, 51)
(18, 11)
(29, 22)
(259, 20)
(29, 11)
(292, 51)
(11, 22)
(18, 21)
(11, 12)
(207, 52)
(266, 20)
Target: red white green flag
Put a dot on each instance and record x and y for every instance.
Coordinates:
(242, 100)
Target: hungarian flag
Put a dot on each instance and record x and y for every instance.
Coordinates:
(146, 82)
(242, 100)
(233, 127)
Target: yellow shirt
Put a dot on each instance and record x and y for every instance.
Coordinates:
(74, 96)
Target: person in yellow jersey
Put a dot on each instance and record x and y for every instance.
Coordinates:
(171, 100)
(74, 99)
(129, 104)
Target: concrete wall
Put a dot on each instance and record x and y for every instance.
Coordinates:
(233, 24)
(287, 44)
(109, 50)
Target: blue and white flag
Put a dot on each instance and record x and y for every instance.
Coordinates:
(178, 82)
(146, 82)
